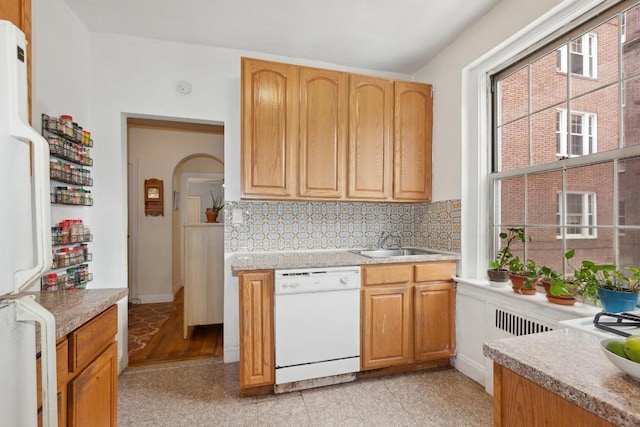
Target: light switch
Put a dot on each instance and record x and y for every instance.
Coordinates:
(236, 216)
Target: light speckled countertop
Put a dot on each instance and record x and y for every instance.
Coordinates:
(73, 308)
(571, 364)
(312, 259)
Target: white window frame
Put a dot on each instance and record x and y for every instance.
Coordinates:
(589, 133)
(588, 216)
(476, 130)
(589, 42)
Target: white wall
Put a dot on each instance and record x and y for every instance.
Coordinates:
(445, 73)
(61, 85)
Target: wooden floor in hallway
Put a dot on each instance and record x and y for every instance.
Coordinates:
(169, 345)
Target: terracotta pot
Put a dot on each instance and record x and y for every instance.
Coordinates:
(212, 216)
(517, 284)
(564, 300)
(546, 285)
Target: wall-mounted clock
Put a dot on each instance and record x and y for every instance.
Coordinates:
(153, 197)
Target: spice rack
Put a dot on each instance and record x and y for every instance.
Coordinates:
(69, 146)
(69, 150)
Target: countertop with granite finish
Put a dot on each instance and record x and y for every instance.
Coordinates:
(73, 308)
(314, 259)
(571, 364)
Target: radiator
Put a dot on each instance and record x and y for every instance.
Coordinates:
(503, 323)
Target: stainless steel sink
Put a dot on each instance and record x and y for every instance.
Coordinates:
(389, 253)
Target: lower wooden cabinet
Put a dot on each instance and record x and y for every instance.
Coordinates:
(87, 373)
(93, 393)
(407, 313)
(434, 308)
(257, 355)
(386, 330)
(518, 401)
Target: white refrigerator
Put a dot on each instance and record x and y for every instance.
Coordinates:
(25, 254)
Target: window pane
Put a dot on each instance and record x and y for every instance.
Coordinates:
(514, 140)
(544, 248)
(631, 111)
(600, 123)
(598, 250)
(548, 84)
(548, 134)
(629, 254)
(598, 60)
(628, 191)
(542, 190)
(631, 47)
(514, 95)
(594, 184)
(511, 193)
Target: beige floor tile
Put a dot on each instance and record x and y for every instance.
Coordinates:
(206, 393)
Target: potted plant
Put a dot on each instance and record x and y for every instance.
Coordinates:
(216, 205)
(498, 267)
(524, 276)
(617, 289)
(559, 289)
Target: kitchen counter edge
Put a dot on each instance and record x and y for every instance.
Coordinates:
(314, 259)
(571, 364)
(74, 308)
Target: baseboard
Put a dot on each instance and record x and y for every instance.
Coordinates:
(231, 355)
(470, 368)
(150, 299)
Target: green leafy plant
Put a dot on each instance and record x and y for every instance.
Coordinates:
(528, 269)
(217, 203)
(505, 253)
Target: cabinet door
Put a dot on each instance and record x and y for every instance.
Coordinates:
(257, 363)
(386, 326)
(269, 128)
(370, 122)
(323, 132)
(18, 12)
(434, 327)
(93, 393)
(413, 115)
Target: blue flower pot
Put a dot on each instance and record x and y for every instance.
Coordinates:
(617, 302)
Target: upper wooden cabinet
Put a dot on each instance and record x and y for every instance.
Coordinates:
(269, 128)
(323, 133)
(18, 12)
(370, 125)
(413, 113)
(315, 134)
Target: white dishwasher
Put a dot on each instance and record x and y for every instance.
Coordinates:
(317, 324)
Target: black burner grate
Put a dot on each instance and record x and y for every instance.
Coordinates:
(621, 320)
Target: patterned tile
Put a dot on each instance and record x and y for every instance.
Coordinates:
(284, 226)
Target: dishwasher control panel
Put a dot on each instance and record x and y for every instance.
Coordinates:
(316, 279)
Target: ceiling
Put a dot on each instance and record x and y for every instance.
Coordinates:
(384, 35)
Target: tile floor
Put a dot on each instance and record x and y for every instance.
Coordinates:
(205, 393)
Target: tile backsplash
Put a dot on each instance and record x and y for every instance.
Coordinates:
(287, 226)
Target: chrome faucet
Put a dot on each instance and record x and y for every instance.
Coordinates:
(384, 236)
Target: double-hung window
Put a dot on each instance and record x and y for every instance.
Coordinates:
(580, 56)
(561, 142)
(576, 215)
(576, 137)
